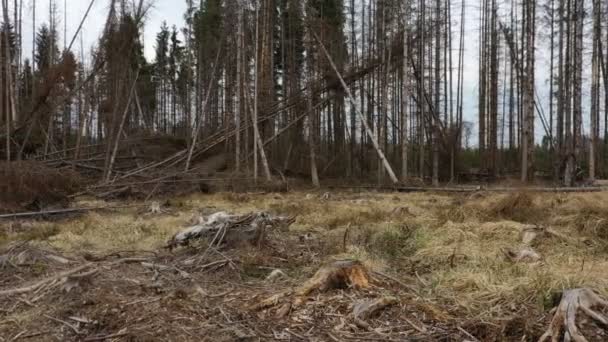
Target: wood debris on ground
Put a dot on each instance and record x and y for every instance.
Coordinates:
(249, 270)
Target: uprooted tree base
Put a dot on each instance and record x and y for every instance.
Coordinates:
(574, 304)
(222, 228)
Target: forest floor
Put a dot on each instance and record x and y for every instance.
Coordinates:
(440, 258)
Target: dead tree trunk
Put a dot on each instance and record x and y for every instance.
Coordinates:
(372, 137)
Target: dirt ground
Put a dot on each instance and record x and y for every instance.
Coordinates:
(444, 259)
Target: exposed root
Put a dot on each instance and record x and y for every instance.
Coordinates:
(275, 275)
(565, 317)
(221, 227)
(340, 274)
(155, 208)
(271, 301)
(365, 309)
(530, 233)
(524, 254)
(337, 275)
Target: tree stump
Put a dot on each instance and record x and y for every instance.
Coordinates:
(566, 314)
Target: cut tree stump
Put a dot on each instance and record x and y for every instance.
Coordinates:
(566, 314)
(340, 274)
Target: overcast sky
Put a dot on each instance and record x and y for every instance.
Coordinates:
(172, 11)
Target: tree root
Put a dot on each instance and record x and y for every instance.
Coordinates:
(565, 316)
(341, 274)
(524, 254)
(367, 308)
(221, 227)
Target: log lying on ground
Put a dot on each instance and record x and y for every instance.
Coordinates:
(565, 317)
(223, 228)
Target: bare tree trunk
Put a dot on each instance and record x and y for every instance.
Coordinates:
(196, 128)
(595, 83)
(385, 162)
(257, 144)
(405, 99)
(7, 117)
(528, 122)
(239, 91)
(437, 95)
(108, 172)
(309, 127)
(10, 91)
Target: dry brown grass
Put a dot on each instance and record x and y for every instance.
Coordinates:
(519, 207)
(592, 219)
(453, 245)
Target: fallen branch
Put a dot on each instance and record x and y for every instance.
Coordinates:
(365, 309)
(59, 211)
(33, 287)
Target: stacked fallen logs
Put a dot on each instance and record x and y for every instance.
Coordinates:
(222, 228)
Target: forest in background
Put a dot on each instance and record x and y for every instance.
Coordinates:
(321, 89)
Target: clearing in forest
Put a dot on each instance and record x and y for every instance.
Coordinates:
(305, 267)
